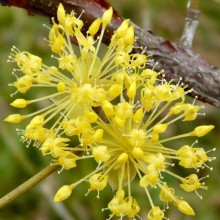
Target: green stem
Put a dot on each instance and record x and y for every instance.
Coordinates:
(24, 187)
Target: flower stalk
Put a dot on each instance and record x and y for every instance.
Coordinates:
(29, 184)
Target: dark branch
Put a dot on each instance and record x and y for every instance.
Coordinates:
(176, 60)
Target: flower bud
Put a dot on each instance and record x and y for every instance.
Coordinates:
(20, 103)
(184, 207)
(132, 90)
(94, 27)
(37, 120)
(108, 108)
(115, 90)
(129, 37)
(202, 130)
(14, 118)
(107, 17)
(61, 86)
(61, 13)
(121, 31)
(63, 193)
(160, 128)
(122, 159)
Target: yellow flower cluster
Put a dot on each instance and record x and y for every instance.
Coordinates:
(116, 108)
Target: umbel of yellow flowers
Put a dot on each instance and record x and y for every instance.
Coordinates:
(127, 137)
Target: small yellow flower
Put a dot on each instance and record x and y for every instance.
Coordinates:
(156, 213)
(167, 194)
(100, 154)
(98, 181)
(191, 157)
(191, 183)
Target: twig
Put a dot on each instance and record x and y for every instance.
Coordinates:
(191, 24)
(176, 60)
(30, 183)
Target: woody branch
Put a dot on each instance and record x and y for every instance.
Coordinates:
(177, 60)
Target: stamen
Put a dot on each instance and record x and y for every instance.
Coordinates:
(198, 194)
(201, 114)
(178, 83)
(14, 93)
(194, 143)
(44, 25)
(196, 97)
(205, 165)
(212, 150)
(89, 190)
(202, 178)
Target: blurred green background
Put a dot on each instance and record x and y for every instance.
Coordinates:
(18, 163)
